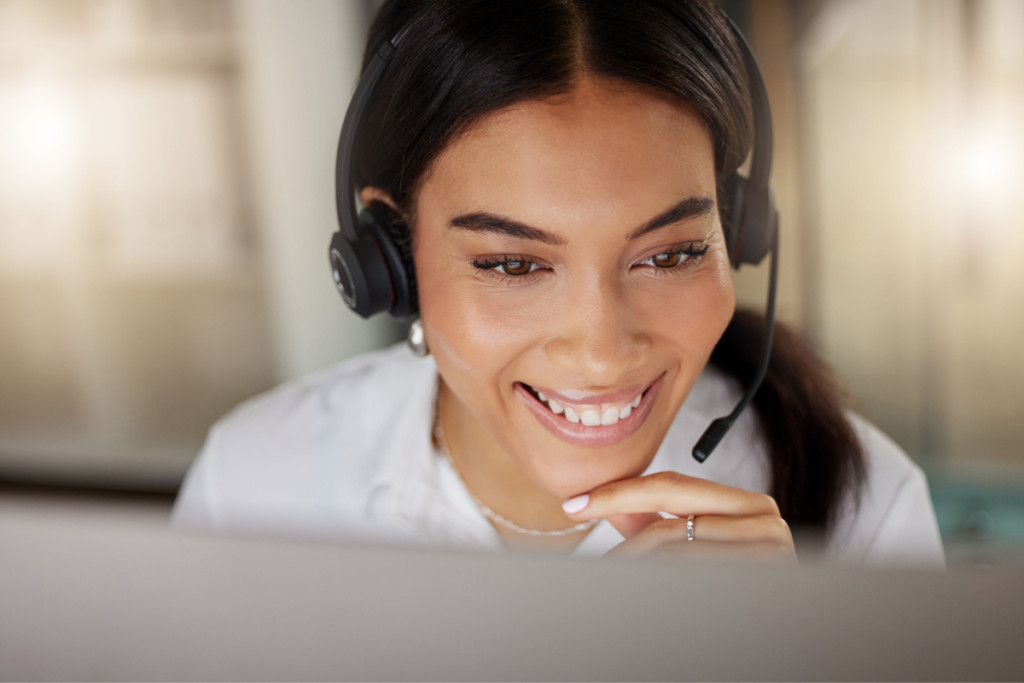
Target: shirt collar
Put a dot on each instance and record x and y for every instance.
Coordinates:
(405, 449)
(411, 474)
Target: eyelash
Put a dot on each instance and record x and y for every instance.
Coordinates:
(493, 268)
(689, 249)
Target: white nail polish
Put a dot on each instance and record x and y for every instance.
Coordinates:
(574, 505)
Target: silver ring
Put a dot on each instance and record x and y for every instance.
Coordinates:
(689, 528)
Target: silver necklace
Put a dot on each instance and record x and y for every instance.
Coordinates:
(487, 512)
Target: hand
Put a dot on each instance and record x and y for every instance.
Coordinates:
(728, 522)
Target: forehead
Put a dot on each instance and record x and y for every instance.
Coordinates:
(604, 151)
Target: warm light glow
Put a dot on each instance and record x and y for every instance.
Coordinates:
(43, 130)
(987, 164)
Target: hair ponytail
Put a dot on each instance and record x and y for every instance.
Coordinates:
(814, 453)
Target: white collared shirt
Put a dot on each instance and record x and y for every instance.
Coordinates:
(347, 453)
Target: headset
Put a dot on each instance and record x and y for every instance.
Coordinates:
(372, 276)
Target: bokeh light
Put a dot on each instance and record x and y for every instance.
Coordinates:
(45, 126)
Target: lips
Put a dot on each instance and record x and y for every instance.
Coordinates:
(590, 420)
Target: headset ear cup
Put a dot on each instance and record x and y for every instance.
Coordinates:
(751, 223)
(733, 194)
(361, 274)
(757, 229)
(378, 219)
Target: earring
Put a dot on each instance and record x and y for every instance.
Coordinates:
(417, 340)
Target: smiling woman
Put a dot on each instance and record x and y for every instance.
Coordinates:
(552, 172)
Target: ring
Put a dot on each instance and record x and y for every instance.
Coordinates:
(689, 528)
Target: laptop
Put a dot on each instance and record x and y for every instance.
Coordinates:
(94, 595)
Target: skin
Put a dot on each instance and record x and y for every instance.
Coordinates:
(589, 169)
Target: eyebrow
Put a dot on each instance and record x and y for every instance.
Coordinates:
(489, 222)
(691, 207)
(481, 221)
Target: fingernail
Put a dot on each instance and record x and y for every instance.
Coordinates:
(574, 505)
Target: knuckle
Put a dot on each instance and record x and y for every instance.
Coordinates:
(667, 483)
(601, 493)
(770, 504)
(779, 527)
(775, 528)
(668, 477)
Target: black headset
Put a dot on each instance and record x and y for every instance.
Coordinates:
(372, 275)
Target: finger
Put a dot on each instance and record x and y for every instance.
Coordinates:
(669, 492)
(631, 525)
(762, 528)
(767, 528)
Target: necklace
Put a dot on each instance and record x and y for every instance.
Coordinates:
(487, 512)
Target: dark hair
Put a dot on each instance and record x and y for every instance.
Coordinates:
(466, 58)
(815, 455)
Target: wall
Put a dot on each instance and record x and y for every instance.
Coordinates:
(166, 200)
(301, 62)
(913, 113)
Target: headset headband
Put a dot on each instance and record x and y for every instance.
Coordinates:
(346, 194)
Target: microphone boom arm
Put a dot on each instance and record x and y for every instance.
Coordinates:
(718, 429)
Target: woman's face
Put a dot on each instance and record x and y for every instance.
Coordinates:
(570, 249)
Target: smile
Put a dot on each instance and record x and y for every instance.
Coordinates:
(590, 419)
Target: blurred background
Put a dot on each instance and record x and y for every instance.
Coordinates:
(166, 198)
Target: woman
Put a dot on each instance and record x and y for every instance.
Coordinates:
(553, 170)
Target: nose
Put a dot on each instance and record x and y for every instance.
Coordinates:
(598, 338)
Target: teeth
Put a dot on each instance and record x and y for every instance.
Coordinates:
(591, 417)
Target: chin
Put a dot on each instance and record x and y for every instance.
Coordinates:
(568, 458)
(568, 474)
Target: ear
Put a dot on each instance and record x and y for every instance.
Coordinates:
(373, 194)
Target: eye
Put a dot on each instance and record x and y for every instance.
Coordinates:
(668, 259)
(675, 257)
(511, 267)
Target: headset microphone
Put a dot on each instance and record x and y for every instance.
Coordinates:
(752, 232)
(372, 276)
(718, 428)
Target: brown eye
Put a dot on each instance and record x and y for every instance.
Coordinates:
(668, 260)
(516, 267)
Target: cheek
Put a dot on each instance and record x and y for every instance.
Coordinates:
(690, 319)
(472, 329)
(712, 308)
